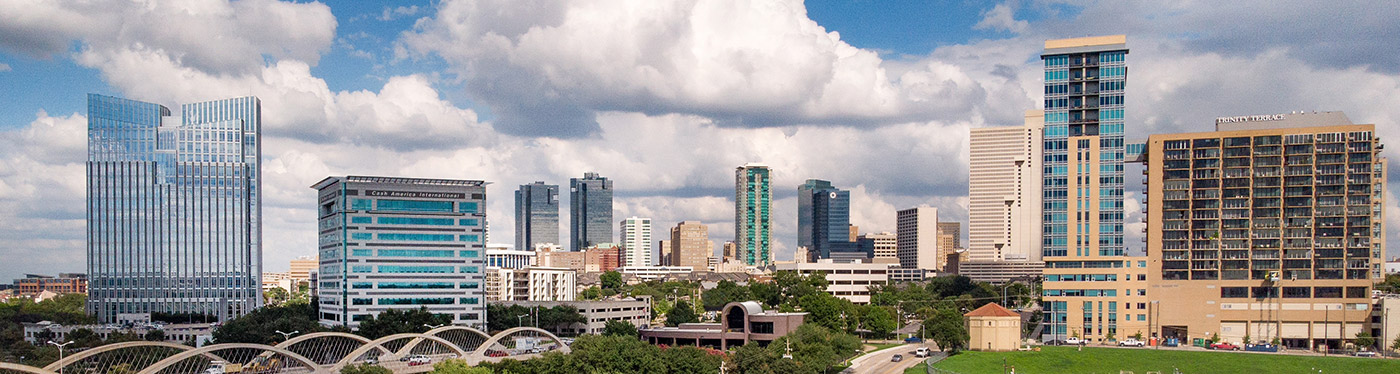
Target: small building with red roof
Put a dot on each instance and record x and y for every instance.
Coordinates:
(993, 328)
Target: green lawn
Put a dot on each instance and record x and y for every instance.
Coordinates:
(1139, 361)
(921, 368)
(884, 345)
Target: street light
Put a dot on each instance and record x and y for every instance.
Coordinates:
(430, 327)
(60, 352)
(518, 322)
(287, 335)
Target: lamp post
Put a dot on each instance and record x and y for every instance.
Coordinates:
(287, 335)
(60, 352)
(518, 319)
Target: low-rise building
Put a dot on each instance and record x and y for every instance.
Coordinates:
(65, 283)
(993, 328)
(38, 333)
(740, 323)
(636, 311)
(850, 281)
(530, 284)
(649, 273)
(509, 258)
(999, 272)
(1385, 319)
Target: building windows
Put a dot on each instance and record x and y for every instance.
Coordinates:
(415, 221)
(361, 252)
(414, 269)
(414, 253)
(360, 220)
(414, 205)
(416, 237)
(416, 301)
(361, 269)
(361, 236)
(360, 204)
(1234, 292)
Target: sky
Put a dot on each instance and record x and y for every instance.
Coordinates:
(664, 97)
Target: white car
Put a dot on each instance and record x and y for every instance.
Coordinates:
(416, 360)
(921, 352)
(1130, 342)
(1074, 341)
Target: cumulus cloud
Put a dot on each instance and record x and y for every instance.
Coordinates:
(548, 67)
(4, 67)
(1002, 18)
(393, 13)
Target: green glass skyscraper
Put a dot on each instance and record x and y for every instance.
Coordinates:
(752, 204)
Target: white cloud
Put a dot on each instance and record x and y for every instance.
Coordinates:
(1002, 18)
(394, 13)
(4, 67)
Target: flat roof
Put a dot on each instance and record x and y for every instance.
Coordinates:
(400, 180)
(1086, 41)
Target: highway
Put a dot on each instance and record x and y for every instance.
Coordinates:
(879, 362)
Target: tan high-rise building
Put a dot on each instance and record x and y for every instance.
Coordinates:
(1270, 227)
(691, 245)
(916, 238)
(853, 233)
(301, 268)
(663, 252)
(1004, 191)
(882, 245)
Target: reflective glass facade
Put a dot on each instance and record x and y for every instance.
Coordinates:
(536, 215)
(173, 209)
(395, 243)
(590, 211)
(823, 219)
(752, 224)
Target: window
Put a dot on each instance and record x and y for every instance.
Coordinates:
(1356, 292)
(469, 238)
(361, 269)
(416, 237)
(471, 269)
(414, 269)
(470, 253)
(1234, 292)
(468, 207)
(470, 300)
(416, 301)
(414, 253)
(1263, 292)
(361, 236)
(418, 285)
(363, 285)
(1327, 292)
(414, 205)
(1297, 292)
(361, 252)
(359, 220)
(469, 222)
(359, 204)
(415, 221)
(471, 285)
(362, 302)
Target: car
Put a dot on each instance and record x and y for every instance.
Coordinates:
(913, 339)
(1074, 341)
(897, 358)
(416, 360)
(921, 352)
(493, 353)
(1224, 346)
(1131, 342)
(1364, 354)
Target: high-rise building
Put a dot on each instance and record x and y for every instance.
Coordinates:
(948, 240)
(300, 268)
(752, 224)
(602, 257)
(401, 243)
(635, 235)
(691, 245)
(1091, 285)
(1004, 191)
(590, 211)
(1270, 227)
(663, 252)
(174, 211)
(879, 246)
(536, 215)
(823, 219)
(916, 238)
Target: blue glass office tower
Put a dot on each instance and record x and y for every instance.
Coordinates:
(1082, 207)
(401, 243)
(823, 219)
(536, 215)
(173, 208)
(590, 211)
(753, 200)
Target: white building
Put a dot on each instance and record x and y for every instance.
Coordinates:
(647, 273)
(530, 284)
(1004, 187)
(850, 281)
(635, 235)
(502, 256)
(916, 238)
(882, 245)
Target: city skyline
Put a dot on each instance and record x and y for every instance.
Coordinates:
(411, 108)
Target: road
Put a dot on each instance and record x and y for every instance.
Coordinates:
(879, 362)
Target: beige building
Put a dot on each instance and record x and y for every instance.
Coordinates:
(916, 238)
(1269, 227)
(1004, 191)
(992, 328)
(850, 281)
(690, 245)
(883, 246)
(530, 284)
(301, 268)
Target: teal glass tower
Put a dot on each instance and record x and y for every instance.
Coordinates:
(536, 215)
(590, 211)
(174, 208)
(752, 223)
(823, 219)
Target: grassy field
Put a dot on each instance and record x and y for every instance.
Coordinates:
(1111, 360)
(921, 368)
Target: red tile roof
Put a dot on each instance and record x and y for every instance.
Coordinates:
(992, 310)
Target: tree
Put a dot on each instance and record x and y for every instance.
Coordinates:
(275, 296)
(398, 321)
(724, 293)
(946, 329)
(879, 321)
(261, 325)
(559, 317)
(155, 336)
(1365, 340)
(1395, 344)
(611, 280)
(365, 369)
(824, 310)
(619, 328)
(766, 293)
(1137, 335)
(682, 312)
(458, 367)
(592, 293)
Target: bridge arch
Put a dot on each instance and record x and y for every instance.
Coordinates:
(442, 331)
(379, 344)
(79, 356)
(480, 352)
(6, 366)
(172, 360)
(326, 348)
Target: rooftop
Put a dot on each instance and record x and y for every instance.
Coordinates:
(992, 310)
(400, 180)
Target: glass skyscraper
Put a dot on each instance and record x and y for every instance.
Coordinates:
(1089, 280)
(752, 224)
(590, 211)
(536, 215)
(823, 219)
(173, 208)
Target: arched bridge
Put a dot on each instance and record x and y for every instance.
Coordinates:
(315, 353)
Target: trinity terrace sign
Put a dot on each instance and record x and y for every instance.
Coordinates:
(1258, 118)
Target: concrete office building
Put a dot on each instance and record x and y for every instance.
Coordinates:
(590, 211)
(300, 268)
(916, 238)
(691, 245)
(1004, 192)
(635, 236)
(503, 257)
(949, 236)
(401, 243)
(740, 323)
(1092, 287)
(65, 283)
(881, 247)
(635, 311)
(174, 208)
(1271, 226)
(602, 257)
(536, 215)
(649, 273)
(850, 280)
(753, 201)
(999, 272)
(823, 219)
(532, 283)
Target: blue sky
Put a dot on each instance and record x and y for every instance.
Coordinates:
(664, 97)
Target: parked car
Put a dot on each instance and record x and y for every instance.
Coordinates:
(1131, 342)
(921, 352)
(913, 339)
(1074, 341)
(1224, 346)
(1364, 354)
(416, 360)
(897, 358)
